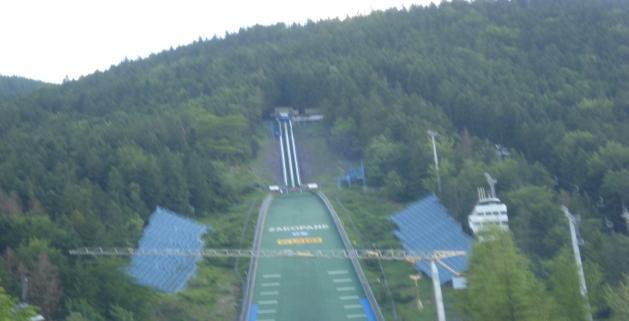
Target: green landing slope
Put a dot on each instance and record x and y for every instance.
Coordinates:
(305, 288)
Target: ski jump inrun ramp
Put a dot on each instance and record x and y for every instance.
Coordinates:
(304, 288)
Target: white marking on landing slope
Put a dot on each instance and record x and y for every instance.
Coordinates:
(269, 292)
(345, 288)
(267, 311)
(270, 284)
(352, 306)
(354, 316)
(349, 297)
(336, 272)
(267, 302)
(271, 276)
(342, 280)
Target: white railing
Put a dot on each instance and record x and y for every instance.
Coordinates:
(292, 139)
(288, 153)
(253, 265)
(282, 153)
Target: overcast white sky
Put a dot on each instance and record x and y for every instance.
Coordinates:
(51, 39)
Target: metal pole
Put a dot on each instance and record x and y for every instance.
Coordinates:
(436, 284)
(362, 168)
(24, 289)
(434, 151)
(577, 257)
(625, 216)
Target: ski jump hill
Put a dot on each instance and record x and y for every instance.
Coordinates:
(303, 288)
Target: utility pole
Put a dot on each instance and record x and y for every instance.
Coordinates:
(577, 257)
(362, 169)
(435, 257)
(24, 289)
(625, 216)
(433, 134)
(436, 284)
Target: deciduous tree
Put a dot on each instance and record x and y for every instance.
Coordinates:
(501, 286)
(618, 299)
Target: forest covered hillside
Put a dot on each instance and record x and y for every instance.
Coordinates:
(84, 163)
(13, 86)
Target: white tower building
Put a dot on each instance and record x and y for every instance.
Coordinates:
(489, 210)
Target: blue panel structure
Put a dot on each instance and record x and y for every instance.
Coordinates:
(426, 226)
(276, 129)
(167, 230)
(371, 316)
(353, 175)
(254, 312)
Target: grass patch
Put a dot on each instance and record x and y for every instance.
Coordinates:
(215, 291)
(317, 163)
(266, 168)
(211, 295)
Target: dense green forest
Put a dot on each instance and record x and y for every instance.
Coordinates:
(84, 163)
(10, 87)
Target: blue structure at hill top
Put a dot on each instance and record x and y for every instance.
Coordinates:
(353, 175)
(426, 226)
(167, 230)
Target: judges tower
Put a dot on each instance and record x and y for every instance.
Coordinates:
(489, 210)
